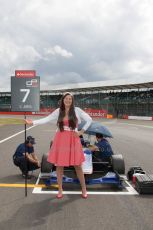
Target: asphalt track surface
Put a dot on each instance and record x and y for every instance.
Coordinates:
(133, 139)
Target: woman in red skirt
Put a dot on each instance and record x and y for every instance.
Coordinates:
(66, 149)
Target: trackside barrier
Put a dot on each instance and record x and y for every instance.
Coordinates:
(145, 118)
(15, 113)
(96, 115)
(44, 112)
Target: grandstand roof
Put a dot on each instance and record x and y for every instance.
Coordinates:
(112, 85)
(100, 86)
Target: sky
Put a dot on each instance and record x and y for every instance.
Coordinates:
(77, 41)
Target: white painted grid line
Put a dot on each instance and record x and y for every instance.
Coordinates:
(6, 139)
(130, 191)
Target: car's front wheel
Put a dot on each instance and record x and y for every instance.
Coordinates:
(46, 167)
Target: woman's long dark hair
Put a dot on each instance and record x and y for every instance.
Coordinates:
(71, 116)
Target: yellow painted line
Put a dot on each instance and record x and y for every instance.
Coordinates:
(28, 186)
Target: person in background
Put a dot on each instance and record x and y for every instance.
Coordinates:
(66, 149)
(103, 146)
(29, 162)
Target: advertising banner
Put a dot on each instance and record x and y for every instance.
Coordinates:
(99, 113)
(25, 73)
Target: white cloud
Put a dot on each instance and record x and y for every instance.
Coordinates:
(63, 77)
(13, 54)
(57, 50)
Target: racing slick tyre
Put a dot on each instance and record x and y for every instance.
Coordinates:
(46, 167)
(118, 164)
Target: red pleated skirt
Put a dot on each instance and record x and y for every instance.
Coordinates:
(66, 149)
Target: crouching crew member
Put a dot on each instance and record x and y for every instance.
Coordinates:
(31, 161)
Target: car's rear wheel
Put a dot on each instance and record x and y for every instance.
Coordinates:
(46, 167)
(118, 164)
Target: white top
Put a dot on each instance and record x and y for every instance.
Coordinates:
(53, 117)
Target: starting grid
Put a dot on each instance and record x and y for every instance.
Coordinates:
(127, 189)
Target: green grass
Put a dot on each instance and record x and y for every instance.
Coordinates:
(11, 121)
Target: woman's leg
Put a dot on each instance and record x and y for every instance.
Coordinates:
(59, 172)
(80, 175)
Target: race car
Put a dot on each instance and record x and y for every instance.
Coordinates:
(101, 170)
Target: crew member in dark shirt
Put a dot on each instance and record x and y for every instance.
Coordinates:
(29, 161)
(103, 145)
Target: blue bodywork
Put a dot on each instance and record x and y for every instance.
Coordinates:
(110, 178)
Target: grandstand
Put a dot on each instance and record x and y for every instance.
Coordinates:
(117, 98)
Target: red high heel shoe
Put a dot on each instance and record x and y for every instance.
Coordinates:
(84, 196)
(59, 196)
